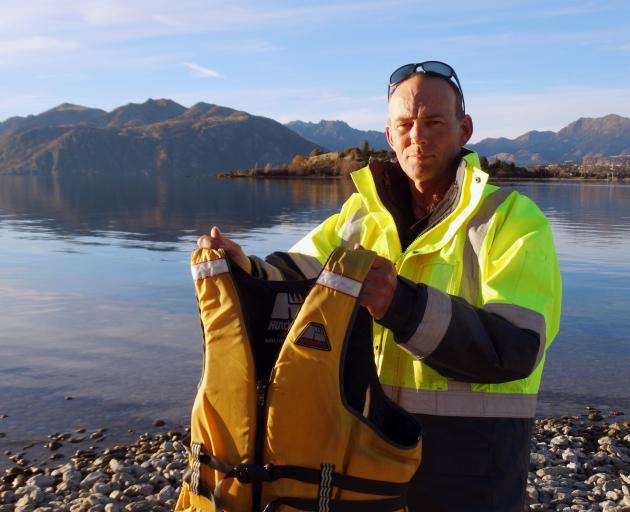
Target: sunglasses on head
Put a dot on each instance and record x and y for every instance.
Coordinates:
(430, 67)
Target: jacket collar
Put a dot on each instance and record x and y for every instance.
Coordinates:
(383, 187)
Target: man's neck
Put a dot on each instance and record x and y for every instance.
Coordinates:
(425, 196)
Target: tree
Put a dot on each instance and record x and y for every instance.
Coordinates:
(365, 150)
(297, 164)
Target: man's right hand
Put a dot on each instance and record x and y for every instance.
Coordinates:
(216, 240)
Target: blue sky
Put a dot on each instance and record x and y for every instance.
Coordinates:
(523, 65)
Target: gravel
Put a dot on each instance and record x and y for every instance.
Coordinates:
(576, 463)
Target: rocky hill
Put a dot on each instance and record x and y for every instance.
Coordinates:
(156, 137)
(338, 135)
(584, 138)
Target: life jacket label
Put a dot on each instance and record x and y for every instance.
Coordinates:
(314, 336)
(285, 308)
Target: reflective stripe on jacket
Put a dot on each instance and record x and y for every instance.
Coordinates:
(494, 249)
(280, 421)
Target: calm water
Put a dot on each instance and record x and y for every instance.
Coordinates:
(97, 301)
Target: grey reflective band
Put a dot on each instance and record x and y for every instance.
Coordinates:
(432, 327)
(325, 488)
(450, 201)
(195, 450)
(523, 318)
(209, 268)
(308, 265)
(350, 232)
(339, 283)
(461, 400)
(477, 228)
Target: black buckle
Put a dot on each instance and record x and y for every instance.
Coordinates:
(252, 473)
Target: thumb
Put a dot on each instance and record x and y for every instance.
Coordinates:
(358, 247)
(215, 232)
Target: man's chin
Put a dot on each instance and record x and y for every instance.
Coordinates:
(419, 172)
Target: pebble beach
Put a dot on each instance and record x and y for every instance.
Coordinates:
(577, 463)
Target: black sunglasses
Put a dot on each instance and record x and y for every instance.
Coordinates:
(430, 67)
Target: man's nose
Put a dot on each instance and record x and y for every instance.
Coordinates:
(418, 134)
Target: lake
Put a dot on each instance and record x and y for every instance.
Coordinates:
(99, 324)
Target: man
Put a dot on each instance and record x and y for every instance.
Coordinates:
(465, 294)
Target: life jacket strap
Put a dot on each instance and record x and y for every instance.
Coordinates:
(325, 477)
(251, 473)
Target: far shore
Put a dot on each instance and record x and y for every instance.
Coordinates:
(287, 175)
(339, 164)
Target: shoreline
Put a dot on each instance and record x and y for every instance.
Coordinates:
(579, 462)
(503, 179)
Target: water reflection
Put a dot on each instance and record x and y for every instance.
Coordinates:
(97, 301)
(591, 221)
(158, 209)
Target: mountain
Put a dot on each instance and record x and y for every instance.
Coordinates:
(584, 138)
(338, 135)
(154, 137)
(151, 111)
(66, 113)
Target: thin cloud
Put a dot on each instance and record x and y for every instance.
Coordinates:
(203, 72)
(36, 45)
(154, 18)
(246, 47)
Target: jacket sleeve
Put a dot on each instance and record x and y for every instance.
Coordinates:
(504, 337)
(306, 258)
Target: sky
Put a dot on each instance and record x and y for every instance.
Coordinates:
(524, 65)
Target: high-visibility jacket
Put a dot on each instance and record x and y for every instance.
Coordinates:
(494, 248)
(280, 421)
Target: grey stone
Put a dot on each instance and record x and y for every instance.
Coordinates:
(612, 495)
(7, 497)
(92, 478)
(138, 506)
(559, 441)
(41, 481)
(168, 493)
(102, 488)
(139, 490)
(612, 485)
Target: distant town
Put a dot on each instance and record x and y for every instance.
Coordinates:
(610, 167)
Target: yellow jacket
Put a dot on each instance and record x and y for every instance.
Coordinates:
(493, 248)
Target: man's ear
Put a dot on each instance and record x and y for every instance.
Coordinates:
(389, 137)
(466, 129)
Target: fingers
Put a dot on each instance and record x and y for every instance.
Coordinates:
(379, 287)
(215, 232)
(213, 241)
(216, 240)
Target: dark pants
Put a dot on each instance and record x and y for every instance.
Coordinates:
(471, 465)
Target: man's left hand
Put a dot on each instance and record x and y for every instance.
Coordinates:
(379, 286)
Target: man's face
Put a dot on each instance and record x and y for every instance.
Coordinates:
(423, 127)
